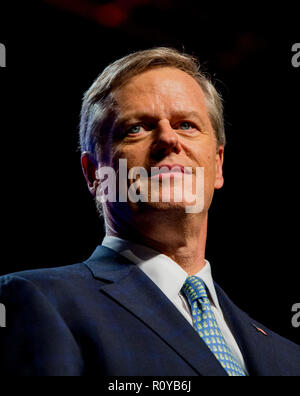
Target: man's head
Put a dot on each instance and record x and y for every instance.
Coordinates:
(98, 101)
(153, 108)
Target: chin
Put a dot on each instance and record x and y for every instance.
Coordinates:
(161, 207)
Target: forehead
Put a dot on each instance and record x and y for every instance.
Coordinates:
(161, 89)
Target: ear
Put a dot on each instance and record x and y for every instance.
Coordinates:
(219, 181)
(89, 168)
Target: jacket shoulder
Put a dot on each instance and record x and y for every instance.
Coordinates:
(36, 334)
(53, 283)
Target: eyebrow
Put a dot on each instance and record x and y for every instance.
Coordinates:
(190, 114)
(121, 121)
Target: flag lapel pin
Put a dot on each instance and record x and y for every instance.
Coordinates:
(260, 330)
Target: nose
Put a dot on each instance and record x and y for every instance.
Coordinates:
(166, 140)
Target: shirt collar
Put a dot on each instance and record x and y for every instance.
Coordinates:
(161, 269)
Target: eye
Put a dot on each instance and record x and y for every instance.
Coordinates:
(185, 125)
(134, 129)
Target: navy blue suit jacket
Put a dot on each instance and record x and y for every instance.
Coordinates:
(106, 317)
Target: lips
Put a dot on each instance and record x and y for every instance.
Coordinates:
(169, 169)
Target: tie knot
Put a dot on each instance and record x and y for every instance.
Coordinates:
(194, 288)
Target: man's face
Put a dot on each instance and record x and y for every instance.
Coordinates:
(162, 119)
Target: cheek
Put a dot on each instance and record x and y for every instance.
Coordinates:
(134, 154)
(211, 164)
(204, 157)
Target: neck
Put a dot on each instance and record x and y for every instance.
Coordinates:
(182, 238)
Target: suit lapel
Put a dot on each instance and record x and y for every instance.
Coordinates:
(131, 288)
(257, 348)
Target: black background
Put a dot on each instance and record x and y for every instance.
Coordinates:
(53, 55)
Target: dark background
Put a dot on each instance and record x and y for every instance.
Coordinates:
(55, 51)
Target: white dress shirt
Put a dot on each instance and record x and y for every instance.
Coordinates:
(170, 277)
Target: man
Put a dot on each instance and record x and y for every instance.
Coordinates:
(145, 302)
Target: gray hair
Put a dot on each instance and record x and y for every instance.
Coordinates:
(98, 101)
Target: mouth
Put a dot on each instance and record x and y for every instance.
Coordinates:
(170, 170)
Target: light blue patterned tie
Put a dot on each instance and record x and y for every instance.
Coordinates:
(206, 326)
